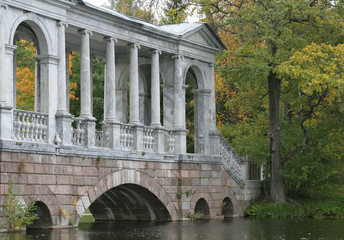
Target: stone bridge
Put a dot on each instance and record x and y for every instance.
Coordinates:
(136, 167)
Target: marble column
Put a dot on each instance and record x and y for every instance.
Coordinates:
(89, 123)
(85, 74)
(111, 126)
(155, 90)
(64, 119)
(179, 105)
(110, 114)
(134, 85)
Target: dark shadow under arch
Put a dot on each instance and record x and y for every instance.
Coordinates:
(44, 220)
(203, 208)
(227, 208)
(129, 202)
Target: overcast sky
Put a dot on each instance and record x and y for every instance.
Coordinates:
(97, 2)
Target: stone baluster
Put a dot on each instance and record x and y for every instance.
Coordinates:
(64, 119)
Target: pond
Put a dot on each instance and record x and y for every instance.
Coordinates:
(229, 229)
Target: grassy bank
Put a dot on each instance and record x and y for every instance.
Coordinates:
(322, 203)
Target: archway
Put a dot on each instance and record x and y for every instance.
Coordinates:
(202, 208)
(196, 110)
(227, 208)
(44, 220)
(28, 64)
(129, 202)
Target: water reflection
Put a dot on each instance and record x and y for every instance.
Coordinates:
(228, 229)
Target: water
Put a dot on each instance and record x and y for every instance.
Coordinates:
(232, 229)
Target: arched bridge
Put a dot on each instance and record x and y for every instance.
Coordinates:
(135, 166)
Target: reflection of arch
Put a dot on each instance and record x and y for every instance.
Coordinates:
(227, 207)
(129, 202)
(125, 177)
(44, 220)
(203, 208)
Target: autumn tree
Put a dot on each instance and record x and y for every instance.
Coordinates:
(25, 75)
(271, 32)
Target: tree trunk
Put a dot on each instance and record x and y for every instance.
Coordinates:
(277, 194)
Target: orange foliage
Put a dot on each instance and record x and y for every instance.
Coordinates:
(25, 89)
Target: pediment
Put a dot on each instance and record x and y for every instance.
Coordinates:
(204, 36)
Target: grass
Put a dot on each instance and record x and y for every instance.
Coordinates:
(323, 202)
(87, 218)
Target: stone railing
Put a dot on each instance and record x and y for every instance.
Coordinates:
(232, 161)
(30, 126)
(149, 139)
(99, 139)
(78, 133)
(127, 137)
(170, 141)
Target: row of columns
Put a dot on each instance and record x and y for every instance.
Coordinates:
(110, 113)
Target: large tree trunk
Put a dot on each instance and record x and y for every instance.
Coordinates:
(277, 194)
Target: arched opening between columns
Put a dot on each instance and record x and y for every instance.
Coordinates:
(27, 64)
(196, 115)
(202, 208)
(123, 95)
(129, 202)
(44, 220)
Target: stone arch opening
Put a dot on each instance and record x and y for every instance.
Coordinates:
(195, 116)
(129, 202)
(227, 208)
(44, 220)
(202, 207)
(29, 63)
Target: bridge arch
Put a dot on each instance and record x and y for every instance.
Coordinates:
(202, 207)
(127, 180)
(48, 207)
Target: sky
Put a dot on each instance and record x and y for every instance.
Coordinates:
(97, 2)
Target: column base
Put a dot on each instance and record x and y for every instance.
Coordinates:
(111, 134)
(64, 127)
(180, 143)
(6, 121)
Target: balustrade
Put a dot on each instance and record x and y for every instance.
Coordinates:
(149, 139)
(171, 141)
(231, 159)
(127, 137)
(30, 126)
(78, 133)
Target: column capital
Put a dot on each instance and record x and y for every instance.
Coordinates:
(85, 32)
(2, 5)
(62, 23)
(202, 92)
(213, 64)
(134, 45)
(155, 51)
(179, 56)
(110, 39)
(9, 49)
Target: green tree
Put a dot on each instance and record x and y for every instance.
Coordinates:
(271, 32)
(176, 11)
(17, 215)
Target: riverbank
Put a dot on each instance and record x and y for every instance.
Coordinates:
(324, 203)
